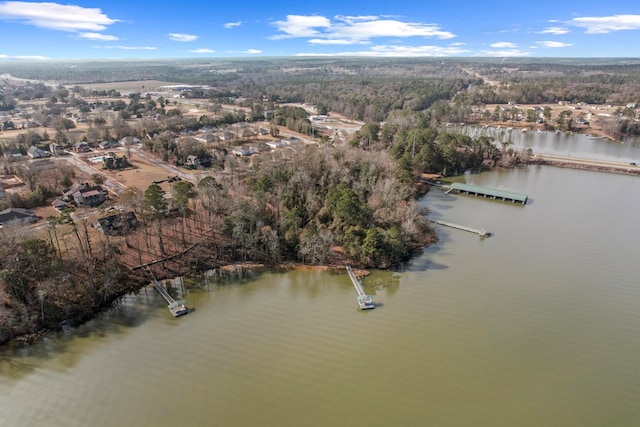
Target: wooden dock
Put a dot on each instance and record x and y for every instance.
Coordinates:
(365, 302)
(480, 232)
(488, 193)
(177, 308)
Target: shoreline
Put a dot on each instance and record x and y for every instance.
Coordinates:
(534, 127)
(137, 284)
(584, 164)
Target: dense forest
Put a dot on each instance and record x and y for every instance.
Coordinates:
(362, 89)
(325, 205)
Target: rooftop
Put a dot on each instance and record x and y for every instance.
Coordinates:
(489, 192)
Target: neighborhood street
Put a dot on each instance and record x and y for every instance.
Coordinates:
(109, 182)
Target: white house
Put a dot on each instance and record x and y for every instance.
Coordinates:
(36, 153)
(244, 150)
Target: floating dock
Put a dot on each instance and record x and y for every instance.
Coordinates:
(177, 308)
(491, 193)
(365, 302)
(479, 231)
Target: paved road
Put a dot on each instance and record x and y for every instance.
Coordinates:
(109, 182)
(587, 162)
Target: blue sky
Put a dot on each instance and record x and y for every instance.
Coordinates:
(192, 29)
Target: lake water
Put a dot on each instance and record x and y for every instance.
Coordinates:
(561, 144)
(535, 326)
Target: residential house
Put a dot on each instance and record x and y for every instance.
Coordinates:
(244, 150)
(67, 195)
(13, 155)
(245, 132)
(59, 204)
(192, 162)
(129, 140)
(105, 145)
(90, 196)
(16, 216)
(56, 149)
(276, 144)
(207, 137)
(114, 162)
(117, 224)
(81, 147)
(36, 153)
(227, 136)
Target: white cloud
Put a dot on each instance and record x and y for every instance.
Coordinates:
(353, 19)
(503, 53)
(98, 36)
(25, 57)
(248, 51)
(387, 28)
(230, 25)
(354, 29)
(333, 41)
(126, 47)
(388, 51)
(504, 45)
(555, 30)
(180, 37)
(202, 50)
(607, 24)
(553, 44)
(55, 16)
(301, 26)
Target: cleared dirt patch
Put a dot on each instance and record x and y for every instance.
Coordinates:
(140, 176)
(130, 86)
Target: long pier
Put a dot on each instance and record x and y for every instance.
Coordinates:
(176, 308)
(480, 232)
(491, 193)
(364, 301)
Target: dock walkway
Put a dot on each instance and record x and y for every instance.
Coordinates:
(364, 301)
(177, 308)
(480, 232)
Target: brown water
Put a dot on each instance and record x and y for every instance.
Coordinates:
(534, 326)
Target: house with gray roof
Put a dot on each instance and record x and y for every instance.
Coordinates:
(16, 216)
(36, 153)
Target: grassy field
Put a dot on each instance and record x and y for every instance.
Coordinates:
(141, 175)
(130, 86)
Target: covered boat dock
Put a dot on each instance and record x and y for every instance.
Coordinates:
(476, 190)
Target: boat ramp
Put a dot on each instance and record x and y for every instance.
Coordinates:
(365, 302)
